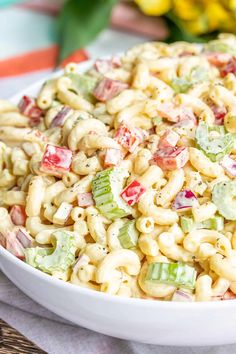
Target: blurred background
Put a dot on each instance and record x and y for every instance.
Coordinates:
(38, 36)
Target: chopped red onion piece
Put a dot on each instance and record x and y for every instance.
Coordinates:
(219, 113)
(24, 238)
(60, 117)
(2, 240)
(186, 118)
(180, 295)
(229, 165)
(184, 199)
(14, 246)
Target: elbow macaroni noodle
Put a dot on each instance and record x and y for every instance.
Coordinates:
(140, 116)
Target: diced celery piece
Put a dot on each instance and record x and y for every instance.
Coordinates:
(64, 252)
(183, 84)
(180, 84)
(223, 196)
(186, 223)
(215, 223)
(215, 147)
(128, 235)
(34, 255)
(56, 259)
(83, 84)
(106, 188)
(176, 274)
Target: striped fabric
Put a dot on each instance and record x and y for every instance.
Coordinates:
(28, 42)
(28, 48)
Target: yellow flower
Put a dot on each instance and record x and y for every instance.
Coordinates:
(154, 7)
(187, 10)
(216, 15)
(197, 16)
(228, 26)
(197, 27)
(229, 4)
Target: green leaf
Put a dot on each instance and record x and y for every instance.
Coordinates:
(80, 21)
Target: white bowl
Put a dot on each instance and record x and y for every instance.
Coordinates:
(155, 322)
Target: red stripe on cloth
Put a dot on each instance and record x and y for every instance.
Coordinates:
(51, 10)
(75, 57)
(42, 59)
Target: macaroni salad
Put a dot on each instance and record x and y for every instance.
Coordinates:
(122, 179)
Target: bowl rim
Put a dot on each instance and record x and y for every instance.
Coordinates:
(86, 291)
(108, 297)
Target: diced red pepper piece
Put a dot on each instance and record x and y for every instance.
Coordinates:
(218, 59)
(18, 215)
(14, 246)
(168, 139)
(104, 65)
(112, 157)
(230, 67)
(108, 88)
(219, 113)
(129, 137)
(132, 193)
(60, 117)
(171, 158)
(85, 199)
(56, 160)
(29, 108)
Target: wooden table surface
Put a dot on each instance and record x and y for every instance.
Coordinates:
(13, 342)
